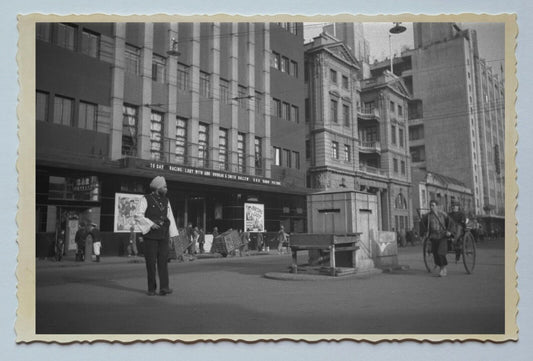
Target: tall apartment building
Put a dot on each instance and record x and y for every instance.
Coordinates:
(357, 130)
(456, 124)
(214, 107)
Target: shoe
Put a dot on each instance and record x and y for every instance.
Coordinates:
(150, 293)
(165, 292)
(443, 272)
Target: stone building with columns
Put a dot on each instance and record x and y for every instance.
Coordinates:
(357, 130)
(213, 107)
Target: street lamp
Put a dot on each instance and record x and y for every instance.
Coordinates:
(396, 29)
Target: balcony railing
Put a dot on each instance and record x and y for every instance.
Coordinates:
(371, 146)
(372, 170)
(368, 113)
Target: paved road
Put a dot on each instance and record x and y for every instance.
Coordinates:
(231, 296)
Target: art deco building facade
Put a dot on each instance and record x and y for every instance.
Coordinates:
(357, 130)
(214, 107)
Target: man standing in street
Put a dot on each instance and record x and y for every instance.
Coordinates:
(438, 228)
(459, 223)
(97, 240)
(157, 224)
(282, 238)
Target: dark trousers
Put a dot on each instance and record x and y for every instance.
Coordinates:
(439, 248)
(156, 253)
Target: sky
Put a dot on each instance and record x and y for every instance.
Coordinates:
(490, 39)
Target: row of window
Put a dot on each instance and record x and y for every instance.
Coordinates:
(395, 166)
(286, 111)
(396, 108)
(286, 157)
(397, 139)
(284, 64)
(70, 37)
(334, 79)
(347, 151)
(63, 111)
(334, 109)
(290, 27)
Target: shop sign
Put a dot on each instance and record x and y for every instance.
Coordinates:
(254, 217)
(179, 169)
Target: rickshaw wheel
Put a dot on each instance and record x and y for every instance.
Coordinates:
(429, 261)
(469, 252)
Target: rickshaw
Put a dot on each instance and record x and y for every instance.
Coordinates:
(464, 248)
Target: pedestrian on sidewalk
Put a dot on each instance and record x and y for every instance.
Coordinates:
(132, 245)
(80, 238)
(438, 228)
(94, 232)
(282, 238)
(157, 224)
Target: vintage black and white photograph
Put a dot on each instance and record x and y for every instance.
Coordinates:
(199, 179)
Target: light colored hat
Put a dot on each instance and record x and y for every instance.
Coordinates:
(158, 182)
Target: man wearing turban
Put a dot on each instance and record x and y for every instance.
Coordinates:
(157, 224)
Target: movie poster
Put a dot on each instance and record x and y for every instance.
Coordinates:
(254, 217)
(126, 206)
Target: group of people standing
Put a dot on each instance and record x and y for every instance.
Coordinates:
(88, 235)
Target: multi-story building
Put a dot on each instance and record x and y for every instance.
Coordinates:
(456, 123)
(214, 107)
(357, 130)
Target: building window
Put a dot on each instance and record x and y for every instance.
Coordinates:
(132, 59)
(345, 83)
(43, 31)
(295, 114)
(223, 149)
(205, 84)
(286, 111)
(285, 64)
(63, 110)
(400, 110)
(65, 36)
(183, 77)
(346, 115)
(400, 136)
(90, 44)
(395, 165)
(241, 153)
(368, 107)
(87, 116)
(400, 203)
(347, 153)
(307, 110)
(203, 136)
(416, 132)
(392, 108)
(287, 157)
(158, 68)
(41, 106)
(307, 149)
(418, 154)
(294, 69)
(258, 102)
(335, 150)
(156, 136)
(276, 60)
(243, 94)
(296, 159)
(277, 156)
(181, 140)
(224, 91)
(129, 130)
(258, 156)
(293, 28)
(334, 107)
(276, 107)
(402, 164)
(393, 134)
(333, 76)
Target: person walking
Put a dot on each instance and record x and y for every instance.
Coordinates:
(79, 238)
(157, 224)
(438, 228)
(94, 232)
(282, 238)
(459, 224)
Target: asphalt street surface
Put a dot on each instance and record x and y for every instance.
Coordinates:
(232, 296)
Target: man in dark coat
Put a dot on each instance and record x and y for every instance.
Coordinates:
(438, 227)
(158, 226)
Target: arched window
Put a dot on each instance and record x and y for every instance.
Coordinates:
(400, 202)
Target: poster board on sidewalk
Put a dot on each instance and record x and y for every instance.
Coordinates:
(254, 217)
(126, 206)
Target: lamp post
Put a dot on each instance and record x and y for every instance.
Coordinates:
(396, 29)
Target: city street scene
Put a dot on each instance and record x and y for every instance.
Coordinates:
(270, 178)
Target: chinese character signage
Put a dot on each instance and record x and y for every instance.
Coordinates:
(126, 206)
(254, 217)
